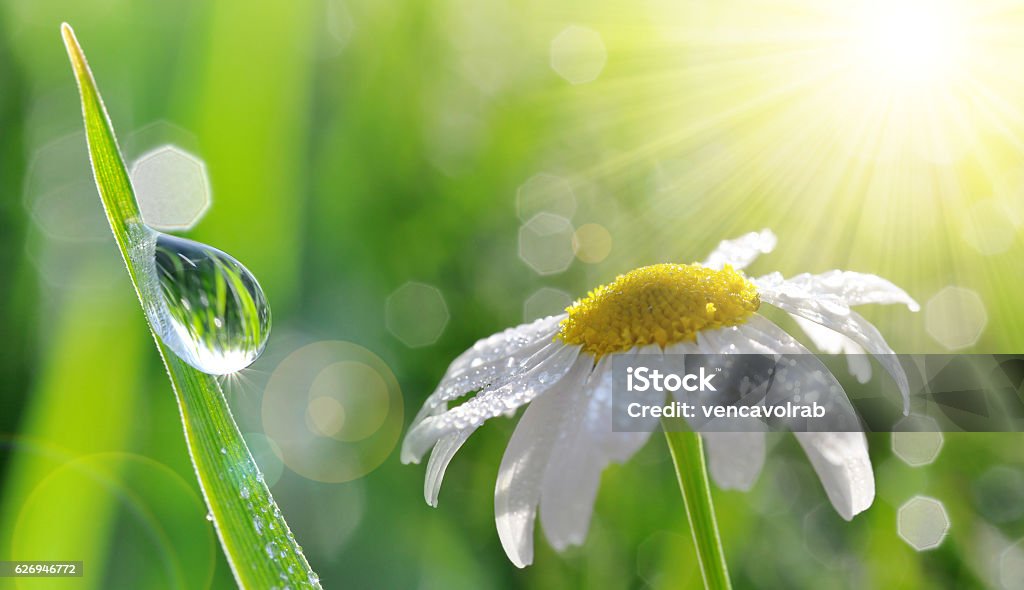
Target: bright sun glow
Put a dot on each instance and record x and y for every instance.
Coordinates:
(909, 42)
(903, 119)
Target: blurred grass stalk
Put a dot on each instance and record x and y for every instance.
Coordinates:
(687, 452)
(256, 539)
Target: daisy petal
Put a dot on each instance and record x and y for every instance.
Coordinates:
(520, 478)
(730, 340)
(567, 500)
(492, 374)
(504, 343)
(832, 314)
(742, 251)
(806, 371)
(763, 336)
(489, 361)
(588, 445)
(735, 458)
(832, 342)
(571, 478)
(827, 341)
(859, 366)
(842, 463)
(491, 402)
(440, 457)
(854, 288)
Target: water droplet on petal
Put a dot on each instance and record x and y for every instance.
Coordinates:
(204, 305)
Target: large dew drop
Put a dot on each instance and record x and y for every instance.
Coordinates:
(204, 305)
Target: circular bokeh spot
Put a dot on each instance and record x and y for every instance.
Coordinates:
(416, 314)
(545, 243)
(156, 513)
(172, 188)
(922, 522)
(335, 411)
(955, 317)
(578, 54)
(350, 400)
(592, 243)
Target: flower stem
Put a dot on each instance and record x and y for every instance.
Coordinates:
(687, 452)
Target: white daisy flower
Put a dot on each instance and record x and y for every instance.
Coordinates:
(561, 367)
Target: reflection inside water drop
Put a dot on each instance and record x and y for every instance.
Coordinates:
(204, 305)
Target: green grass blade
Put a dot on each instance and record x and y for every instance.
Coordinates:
(255, 537)
(687, 452)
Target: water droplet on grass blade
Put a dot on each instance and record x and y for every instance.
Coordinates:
(204, 305)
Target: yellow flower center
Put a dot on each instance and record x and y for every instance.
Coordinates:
(663, 304)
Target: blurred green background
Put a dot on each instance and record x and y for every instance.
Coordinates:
(378, 166)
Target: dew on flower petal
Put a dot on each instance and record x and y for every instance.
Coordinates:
(922, 522)
(204, 305)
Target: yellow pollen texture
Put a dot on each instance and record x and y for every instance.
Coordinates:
(662, 304)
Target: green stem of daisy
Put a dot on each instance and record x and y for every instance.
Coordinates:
(687, 452)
